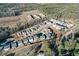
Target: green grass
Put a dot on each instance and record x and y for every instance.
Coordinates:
(58, 10)
(77, 46)
(76, 51)
(54, 9)
(47, 49)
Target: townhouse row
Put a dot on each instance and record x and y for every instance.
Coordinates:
(39, 36)
(37, 33)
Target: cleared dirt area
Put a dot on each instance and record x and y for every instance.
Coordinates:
(13, 20)
(8, 21)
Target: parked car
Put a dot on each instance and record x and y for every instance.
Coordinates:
(30, 39)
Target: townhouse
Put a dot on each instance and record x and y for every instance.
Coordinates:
(39, 32)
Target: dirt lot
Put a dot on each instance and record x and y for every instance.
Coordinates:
(12, 21)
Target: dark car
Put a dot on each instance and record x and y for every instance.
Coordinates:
(39, 34)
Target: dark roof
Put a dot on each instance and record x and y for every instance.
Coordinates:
(39, 33)
(7, 46)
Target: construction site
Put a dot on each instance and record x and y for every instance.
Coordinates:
(29, 39)
(26, 32)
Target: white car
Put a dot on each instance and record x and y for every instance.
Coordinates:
(30, 39)
(25, 41)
